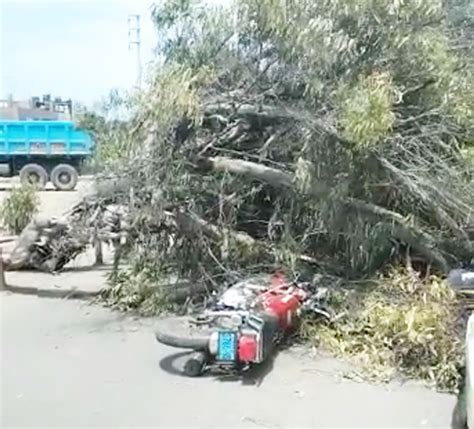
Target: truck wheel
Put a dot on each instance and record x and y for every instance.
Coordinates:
(64, 177)
(34, 174)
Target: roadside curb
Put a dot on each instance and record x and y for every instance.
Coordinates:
(52, 293)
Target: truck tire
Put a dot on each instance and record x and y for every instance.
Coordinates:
(34, 174)
(64, 177)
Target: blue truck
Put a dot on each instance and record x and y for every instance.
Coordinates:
(42, 151)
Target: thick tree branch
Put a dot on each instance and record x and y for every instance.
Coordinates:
(248, 169)
(257, 115)
(418, 239)
(403, 230)
(442, 217)
(191, 224)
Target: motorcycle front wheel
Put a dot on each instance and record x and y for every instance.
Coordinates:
(181, 332)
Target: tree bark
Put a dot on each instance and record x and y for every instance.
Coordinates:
(260, 172)
(257, 115)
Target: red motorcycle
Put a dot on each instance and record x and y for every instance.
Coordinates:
(242, 328)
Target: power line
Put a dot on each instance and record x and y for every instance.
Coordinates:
(134, 40)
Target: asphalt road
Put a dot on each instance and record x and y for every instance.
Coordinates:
(69, 364)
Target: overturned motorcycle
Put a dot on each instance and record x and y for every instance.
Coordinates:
(242, 327)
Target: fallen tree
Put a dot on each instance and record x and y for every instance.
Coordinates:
(264, 134)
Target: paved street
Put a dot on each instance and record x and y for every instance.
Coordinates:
(69, 364)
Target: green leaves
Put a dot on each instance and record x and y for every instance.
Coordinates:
(19, 207)
(166, 14)
(404, 324)
(173, 94)
(191, 34)
(365, 110)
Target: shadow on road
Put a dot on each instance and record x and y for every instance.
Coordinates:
(174, 364)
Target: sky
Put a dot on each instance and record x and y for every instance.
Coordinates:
(74, 49)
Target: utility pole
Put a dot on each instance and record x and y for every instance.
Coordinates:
(134, 41)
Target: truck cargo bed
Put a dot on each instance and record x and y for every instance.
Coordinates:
(43, 138)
